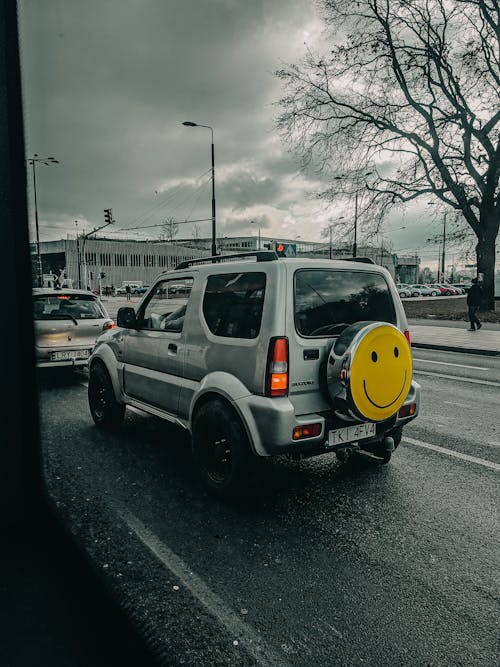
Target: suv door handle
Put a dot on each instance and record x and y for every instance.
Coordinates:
(172, 348)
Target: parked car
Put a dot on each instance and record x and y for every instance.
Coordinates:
(434, 291)
(415, 290)
(424, 290)
(460, 288)
(140, 290)
(403, 290)
(67, 323)
(261, 358)
(445, 290)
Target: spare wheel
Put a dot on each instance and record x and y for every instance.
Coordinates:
(369, 370)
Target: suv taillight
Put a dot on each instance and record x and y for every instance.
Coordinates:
(408, 337)
(277, 368)
(108, 325)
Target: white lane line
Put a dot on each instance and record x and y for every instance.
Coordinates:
(490, 383)
(252, 641)
(450, 452)
(449, 363)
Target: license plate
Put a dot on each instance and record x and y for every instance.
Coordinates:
(61, 355)
(351, 434)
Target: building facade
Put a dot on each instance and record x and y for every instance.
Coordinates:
(83, 261)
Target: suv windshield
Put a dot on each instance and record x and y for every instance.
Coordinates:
(62, 306)
(327, 301)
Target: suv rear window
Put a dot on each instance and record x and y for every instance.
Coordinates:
(326, 301)
(62, 306)
(232, 304)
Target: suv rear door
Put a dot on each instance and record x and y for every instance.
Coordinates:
(325, 302)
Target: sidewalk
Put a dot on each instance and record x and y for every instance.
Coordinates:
(453, 336)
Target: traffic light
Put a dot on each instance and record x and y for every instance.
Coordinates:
(285, 249)
(108, 216)
(102, 275)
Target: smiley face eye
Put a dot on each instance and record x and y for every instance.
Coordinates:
(374, 356)
(396, 352)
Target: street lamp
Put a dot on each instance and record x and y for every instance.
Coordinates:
(443, 245)
(32, 161)
(330, 227)
(253, 222)
(188, 123)
(355, 244)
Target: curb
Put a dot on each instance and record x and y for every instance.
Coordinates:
(454, 348)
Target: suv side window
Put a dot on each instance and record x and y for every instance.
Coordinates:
(326, 301)
(232, 304)
(166, 305)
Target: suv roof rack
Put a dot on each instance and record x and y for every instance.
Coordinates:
(260, 256)
(364, 260)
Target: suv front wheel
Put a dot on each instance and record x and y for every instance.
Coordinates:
(221, 449)
(104, 408)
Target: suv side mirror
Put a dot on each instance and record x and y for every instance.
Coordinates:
(126, 318)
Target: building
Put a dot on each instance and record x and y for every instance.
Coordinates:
(117, 260)
(83, 261)
(407, 269)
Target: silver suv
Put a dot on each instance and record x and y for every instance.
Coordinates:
(257, 355)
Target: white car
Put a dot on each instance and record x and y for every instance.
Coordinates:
(403, 290)
(424, 290)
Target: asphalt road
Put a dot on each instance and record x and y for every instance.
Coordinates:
(330, 565)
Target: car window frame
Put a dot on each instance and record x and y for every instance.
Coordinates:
(336, 270)
(150, 295)
(217, 336)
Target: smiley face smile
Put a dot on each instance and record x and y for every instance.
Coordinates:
(382, 407)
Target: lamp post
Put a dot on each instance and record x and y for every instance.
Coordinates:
(32, 161)
(254, 222)
(355, 243)
(442, 250)
(78, 257)
(330, 227)
(188, 123)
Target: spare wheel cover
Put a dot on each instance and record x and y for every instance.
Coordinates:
(369, 370)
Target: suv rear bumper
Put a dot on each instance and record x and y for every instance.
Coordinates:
(270, 423)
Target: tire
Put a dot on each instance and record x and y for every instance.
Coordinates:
(106, 412)
(434, 293)
(221, 450)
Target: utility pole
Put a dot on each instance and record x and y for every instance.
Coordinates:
(444, 243)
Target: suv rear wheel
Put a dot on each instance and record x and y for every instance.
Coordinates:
(104, 408)
(221, 449)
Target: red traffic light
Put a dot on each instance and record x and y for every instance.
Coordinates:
(280, 247)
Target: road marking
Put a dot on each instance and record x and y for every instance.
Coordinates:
(490, 383)
(450, 452)
(253, 642)
(449, 363)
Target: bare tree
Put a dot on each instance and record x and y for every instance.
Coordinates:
(409, 90)
(170, 229)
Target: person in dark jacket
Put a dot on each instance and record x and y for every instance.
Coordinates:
(474, 300)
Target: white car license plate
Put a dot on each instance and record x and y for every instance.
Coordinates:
(61, 355)
(351, 434)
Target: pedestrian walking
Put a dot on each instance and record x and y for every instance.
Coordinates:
(474, 300)
(128, 290)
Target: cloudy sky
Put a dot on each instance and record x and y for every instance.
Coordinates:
(107, 85)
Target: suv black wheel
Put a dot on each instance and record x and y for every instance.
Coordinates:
(104, 408)
(221, 450)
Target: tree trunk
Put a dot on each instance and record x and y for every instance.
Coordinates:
(485, 252)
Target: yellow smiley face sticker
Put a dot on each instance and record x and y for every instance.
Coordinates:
(381, 373)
